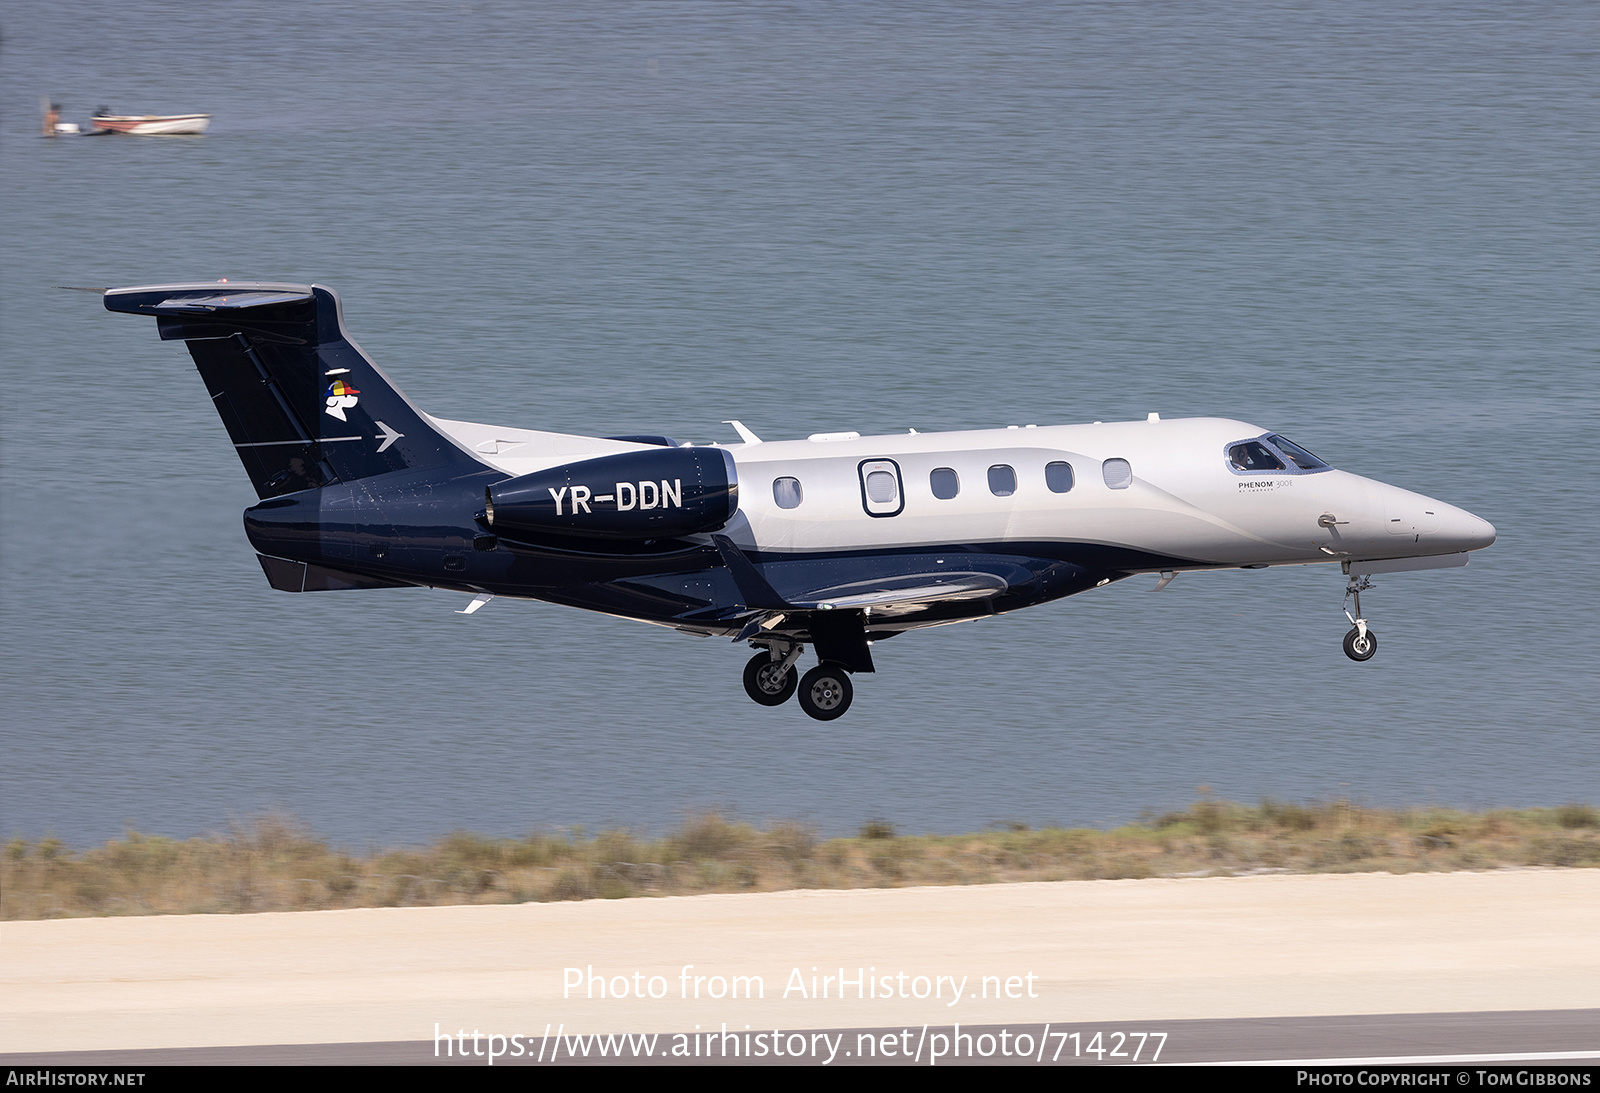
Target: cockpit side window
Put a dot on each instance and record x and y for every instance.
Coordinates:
(1296, 454)
(1253, 456)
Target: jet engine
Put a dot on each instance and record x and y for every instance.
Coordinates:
(656, 494)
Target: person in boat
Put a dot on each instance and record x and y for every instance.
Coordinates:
(52, 117)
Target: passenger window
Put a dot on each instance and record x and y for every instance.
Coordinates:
(786, 492)
(1002, 480)
(1254, 457)
(1117, 473)
(945, 482)
(1058, 476)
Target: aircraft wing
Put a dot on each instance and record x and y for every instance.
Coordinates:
(906, 591)
(900, 594)
(887, 597)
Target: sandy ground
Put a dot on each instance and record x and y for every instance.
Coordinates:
(1082, 951)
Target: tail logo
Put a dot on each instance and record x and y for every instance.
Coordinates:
(341, 397)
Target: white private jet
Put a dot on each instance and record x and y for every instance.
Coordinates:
(835, 541)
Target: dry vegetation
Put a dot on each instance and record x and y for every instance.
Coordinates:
(275, 864)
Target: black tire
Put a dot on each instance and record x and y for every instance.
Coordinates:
(760, 685)
(1358, 648)
(826, 691)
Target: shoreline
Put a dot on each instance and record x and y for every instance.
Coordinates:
(276, 864)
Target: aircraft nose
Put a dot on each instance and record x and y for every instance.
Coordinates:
(1483, 533)
(1466, 531)
(1441, 527)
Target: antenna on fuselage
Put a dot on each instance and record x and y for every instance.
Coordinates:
(744, 432)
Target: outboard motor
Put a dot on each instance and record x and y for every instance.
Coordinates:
(637, 496)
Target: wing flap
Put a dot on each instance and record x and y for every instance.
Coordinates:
(908, 590)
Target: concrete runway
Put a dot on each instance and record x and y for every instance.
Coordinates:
(1282, 967)
(1536, 1037)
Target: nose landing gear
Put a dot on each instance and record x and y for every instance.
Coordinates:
(1360, 643)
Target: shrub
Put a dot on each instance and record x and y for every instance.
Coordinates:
(1575, 816)
(877, 829)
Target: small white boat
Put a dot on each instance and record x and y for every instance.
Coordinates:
(150, 125)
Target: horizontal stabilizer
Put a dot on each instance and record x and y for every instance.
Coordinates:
(291, 576)
(205, 304)
(303, 405)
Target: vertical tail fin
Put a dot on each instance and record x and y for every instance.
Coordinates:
(304, 406)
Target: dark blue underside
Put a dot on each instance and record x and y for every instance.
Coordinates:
(410, 528)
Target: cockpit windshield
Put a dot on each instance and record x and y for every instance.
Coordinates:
(1296, 454)
(1272, 454)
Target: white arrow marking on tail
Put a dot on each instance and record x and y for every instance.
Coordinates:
(389, 435)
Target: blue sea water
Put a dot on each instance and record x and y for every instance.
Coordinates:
(1373, 227)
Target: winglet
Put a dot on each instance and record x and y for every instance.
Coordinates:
(753, 586)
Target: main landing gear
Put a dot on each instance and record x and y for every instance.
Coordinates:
(825, 692)
(1360, 643)
(770, 678)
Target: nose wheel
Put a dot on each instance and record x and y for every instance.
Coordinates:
(1360, 643)
(1359, 646)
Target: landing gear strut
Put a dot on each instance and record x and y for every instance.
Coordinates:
(1360, 643)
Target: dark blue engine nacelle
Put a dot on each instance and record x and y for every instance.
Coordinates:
(658, 494)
